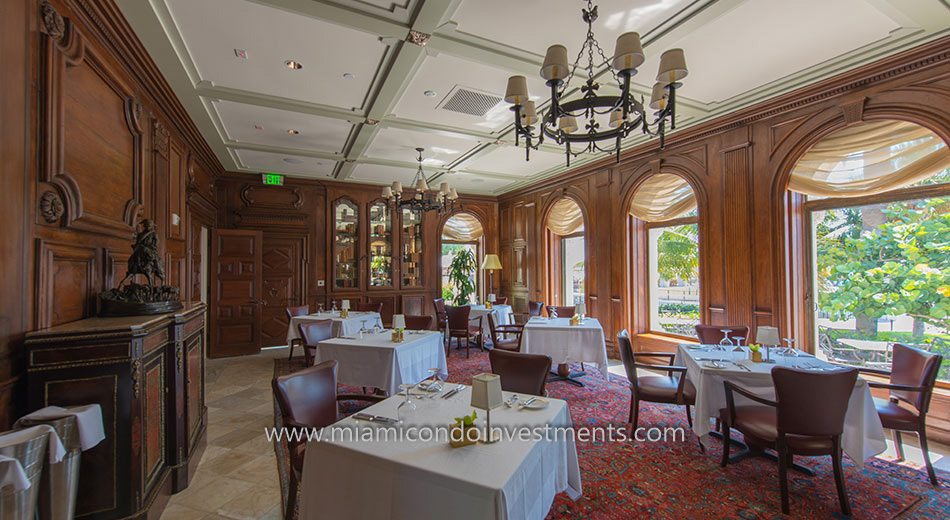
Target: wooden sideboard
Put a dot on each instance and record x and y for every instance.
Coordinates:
(147, 373)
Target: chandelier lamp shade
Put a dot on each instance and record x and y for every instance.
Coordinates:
(576, 124)
(445, 200)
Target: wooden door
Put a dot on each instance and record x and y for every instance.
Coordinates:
(236, 294)
(283, 271)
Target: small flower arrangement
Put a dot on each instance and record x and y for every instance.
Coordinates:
(464, 432)
(755, 352)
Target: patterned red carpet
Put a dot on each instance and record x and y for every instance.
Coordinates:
(675, 480)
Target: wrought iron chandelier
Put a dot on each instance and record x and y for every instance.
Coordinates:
(626, 113)
(443, 201)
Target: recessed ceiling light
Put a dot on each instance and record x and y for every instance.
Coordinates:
(430, 93)
(293, 160)
(294, 65)
(258, 128)
(347, 75)
(240, 53)
(293, 132)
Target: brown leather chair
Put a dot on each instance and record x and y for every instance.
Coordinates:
(308, 399)
(369, 307)
(563, 311)
(806, 418)
(418, 322)
(667, 389)
(520, 373)
(462, 326)
(712, 334)
(912, 378)
(302, 310)
(534, 309)
(500, 335)
(313, 332)
(441, 321)
(500, 301)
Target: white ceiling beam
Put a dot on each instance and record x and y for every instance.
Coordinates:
(340, 15)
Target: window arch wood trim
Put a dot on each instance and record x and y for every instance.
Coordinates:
(551, 250)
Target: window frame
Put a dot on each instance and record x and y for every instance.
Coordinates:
(644, 229)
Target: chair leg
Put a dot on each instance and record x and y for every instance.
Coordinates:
(783, 476)
(726, 442)
(634, 414)
(898, 444)
(290, 512)
(291, 349)
(922, 435)
(839, 479)
(689, 417)
(468, 346)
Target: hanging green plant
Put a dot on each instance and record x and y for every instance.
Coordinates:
(462, 275)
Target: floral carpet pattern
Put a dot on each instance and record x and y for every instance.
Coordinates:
(674, 479)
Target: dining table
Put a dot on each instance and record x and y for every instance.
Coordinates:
(708, 366)
(565, 344)
(374, 360)
(354, 321)
(502, 314)
(383, 470)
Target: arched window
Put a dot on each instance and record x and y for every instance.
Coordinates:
(566, 253)
(665, 213)
(877, 201)
(461, 240)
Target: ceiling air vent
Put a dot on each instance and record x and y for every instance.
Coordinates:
(469, 101)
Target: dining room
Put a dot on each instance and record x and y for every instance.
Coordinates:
(324, 259)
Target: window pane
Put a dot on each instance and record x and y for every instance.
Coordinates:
(674, 279)
(451, 288)
(882, 275)
(572, 264)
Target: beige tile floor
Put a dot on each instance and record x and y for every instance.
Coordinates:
(237, 475)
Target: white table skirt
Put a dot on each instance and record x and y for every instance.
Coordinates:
(376, 361)
(379, 479)
(863, 435)
(502, 315)
(566, 343)
(341, 326)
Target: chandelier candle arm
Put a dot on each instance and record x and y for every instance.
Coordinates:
(443, 201)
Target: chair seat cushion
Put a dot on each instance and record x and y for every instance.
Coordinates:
(512, 344)
(662, 389)
(759, 425)
(894, 416)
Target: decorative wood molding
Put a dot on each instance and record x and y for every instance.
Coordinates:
(51, 206)
(294, 197)
(418, 38)
(160, 138)
(53, 24)
(854, 111)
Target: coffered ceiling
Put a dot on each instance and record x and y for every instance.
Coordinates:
(365, 95)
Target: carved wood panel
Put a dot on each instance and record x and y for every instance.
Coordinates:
(153, 414)
(67, 283)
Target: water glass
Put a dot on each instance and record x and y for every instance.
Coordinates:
(725, 342)
(407, 407)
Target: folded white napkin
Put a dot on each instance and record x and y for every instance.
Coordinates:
(88, 420)
(54, 448)
(12, 474)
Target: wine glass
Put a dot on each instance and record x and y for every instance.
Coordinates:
(738, 353)
(790, 347)
(333, 308)
(407, 407)
(434, 381)
(319, 308)
(725, 341)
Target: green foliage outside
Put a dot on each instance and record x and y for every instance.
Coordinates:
(678, 253)
(462, 276)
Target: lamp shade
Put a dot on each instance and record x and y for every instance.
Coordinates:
(491, 297)
(616, 118)
(491, 262)
(767, 336)
(628, 53)
(581, 308)
(453, 195)
(672, 66)
(567, 123)
(421, 184)
(555, 66)
(529, 114)
(517, 91)
(444, 188)
(399, 321)
(658, 97)
(345, 305)
(397, 187)
(486, 391)
(387, 192)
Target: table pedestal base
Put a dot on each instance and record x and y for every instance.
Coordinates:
(751, 452)
(564, 374)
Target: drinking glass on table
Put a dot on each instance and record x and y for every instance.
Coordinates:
(407, 407)
(790, 348)
(434, 381)
(319, 308)
(738, 354)
(726, 342)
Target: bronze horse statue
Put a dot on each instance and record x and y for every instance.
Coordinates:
(145, 259)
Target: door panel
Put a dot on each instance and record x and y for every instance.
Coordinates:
(236, 293)
(283, 268)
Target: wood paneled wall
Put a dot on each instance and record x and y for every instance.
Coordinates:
(92, 141)
(296, 221)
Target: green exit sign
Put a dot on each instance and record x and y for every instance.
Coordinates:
(272, 179)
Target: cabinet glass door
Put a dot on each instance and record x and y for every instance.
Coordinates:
(411, 270)
(380, 245)
(346, 231)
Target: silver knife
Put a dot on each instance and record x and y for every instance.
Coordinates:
(529, 401)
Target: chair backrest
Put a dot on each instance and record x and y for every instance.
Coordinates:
(627, 356)
(565, 311)
(712, 334)
(314, 332)
(491, 328)
(812, 403)
(302, 310)
(534, 308)
(308, 396)
(520, 373)
(914, 367)
(458, 317)
(418, 322)
(369, 307)
(500, 301)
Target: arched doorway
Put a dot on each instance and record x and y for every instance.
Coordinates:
(462, 237)
(566, 253)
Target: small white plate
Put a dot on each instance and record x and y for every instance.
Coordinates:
(538, 404)
(715, 364)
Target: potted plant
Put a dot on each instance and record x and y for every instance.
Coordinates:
(461, 274)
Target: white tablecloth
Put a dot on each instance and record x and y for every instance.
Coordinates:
(502, 315)
(376, 361)
(566, 343)
(378, 479)
(863, 435)
(341, 326)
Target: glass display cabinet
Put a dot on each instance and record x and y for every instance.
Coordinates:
(380, 245)
(411, 268)
(346, 231)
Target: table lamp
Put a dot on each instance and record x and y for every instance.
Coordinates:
(491, 263)
(486, 395)
(344, 308)
(767, 336)
(399, 324)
